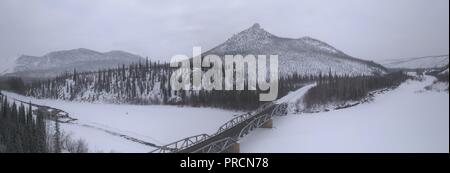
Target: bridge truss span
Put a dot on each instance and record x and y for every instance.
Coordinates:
(228, 134)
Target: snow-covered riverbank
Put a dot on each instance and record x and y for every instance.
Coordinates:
(407, 119)
(155, 124)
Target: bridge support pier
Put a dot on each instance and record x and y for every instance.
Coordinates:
(235, 148)
(268, 124)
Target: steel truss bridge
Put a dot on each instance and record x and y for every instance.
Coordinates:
(228, 134)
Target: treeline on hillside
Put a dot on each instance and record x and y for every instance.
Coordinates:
(239, 100)
(336, 89)
(440, 75)
(148, 83)
(136, 84)
(14, 84)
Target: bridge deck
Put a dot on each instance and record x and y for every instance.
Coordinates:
(232, 132)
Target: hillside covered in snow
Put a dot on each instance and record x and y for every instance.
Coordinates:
(427, 62)
(56, 63)
(305, 56)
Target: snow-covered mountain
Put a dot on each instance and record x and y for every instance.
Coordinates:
(306, 56)
(55, 63)
(426, 62)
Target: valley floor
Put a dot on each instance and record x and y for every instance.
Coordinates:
(155, 124)
(406, 119)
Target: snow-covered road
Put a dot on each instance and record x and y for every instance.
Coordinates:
(294, 96)
(407, 119)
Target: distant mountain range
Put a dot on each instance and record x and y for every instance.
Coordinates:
(55, 63)
(426, 62)
(307, 56)
(151, 85)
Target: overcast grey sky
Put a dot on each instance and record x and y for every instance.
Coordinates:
(368, 29)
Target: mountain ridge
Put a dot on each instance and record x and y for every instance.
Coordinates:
(57, 62)
(304, 55)
(423, 62)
